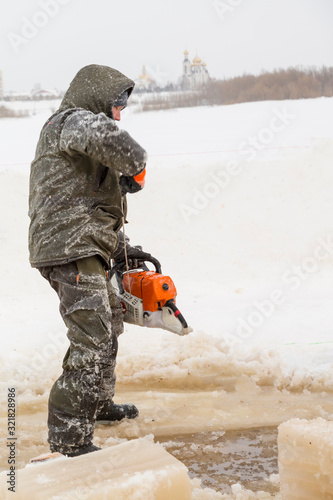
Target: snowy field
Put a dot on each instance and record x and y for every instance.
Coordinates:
(237, 207)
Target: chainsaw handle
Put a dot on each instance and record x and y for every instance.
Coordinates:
(155, 262)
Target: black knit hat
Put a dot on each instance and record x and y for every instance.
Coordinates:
(121, 100)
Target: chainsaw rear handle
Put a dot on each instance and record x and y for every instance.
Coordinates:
(156, 264)
(151, 259)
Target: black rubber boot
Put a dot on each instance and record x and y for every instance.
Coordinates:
(83, 451)
(111, 412)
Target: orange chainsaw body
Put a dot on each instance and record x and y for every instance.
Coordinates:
(154, 289)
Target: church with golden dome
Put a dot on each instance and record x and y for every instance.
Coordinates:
(145, 82)
(195, 73)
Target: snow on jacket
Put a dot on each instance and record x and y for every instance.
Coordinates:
(75, 202)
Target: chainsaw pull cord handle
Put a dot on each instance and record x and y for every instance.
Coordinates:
(124, 236)
(154, 261)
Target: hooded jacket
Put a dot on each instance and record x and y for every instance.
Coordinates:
(75, 202)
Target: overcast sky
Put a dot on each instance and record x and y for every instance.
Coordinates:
(48, 41)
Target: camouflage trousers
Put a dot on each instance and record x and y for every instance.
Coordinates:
(94, 318)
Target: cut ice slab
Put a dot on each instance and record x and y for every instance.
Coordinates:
(306, 459)
(136, 469)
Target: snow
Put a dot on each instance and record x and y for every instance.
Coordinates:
(237, 207)
(238, 493)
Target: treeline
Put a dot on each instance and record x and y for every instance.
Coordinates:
(281, 84)
(292, 83)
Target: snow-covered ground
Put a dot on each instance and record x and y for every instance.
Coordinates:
(237, 207)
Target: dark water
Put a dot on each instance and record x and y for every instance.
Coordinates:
(221, 459)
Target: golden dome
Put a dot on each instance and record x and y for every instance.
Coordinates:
(186, 52)
(144, 75)
(204, 64)
(196, 60)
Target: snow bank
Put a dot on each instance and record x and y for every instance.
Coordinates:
(252, 262)
(305, 459)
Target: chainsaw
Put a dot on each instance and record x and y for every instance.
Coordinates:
(148, 298)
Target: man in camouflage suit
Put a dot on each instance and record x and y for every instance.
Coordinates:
(83, 168)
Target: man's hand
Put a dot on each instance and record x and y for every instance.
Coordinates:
(132, 184)
(136, 258)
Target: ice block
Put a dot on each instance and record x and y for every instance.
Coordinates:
(138, 469)
(306, 459)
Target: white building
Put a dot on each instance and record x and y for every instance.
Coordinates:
(195, 74)
(145, 82)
